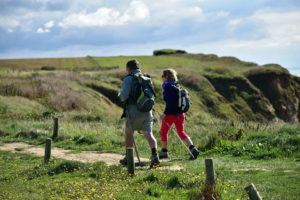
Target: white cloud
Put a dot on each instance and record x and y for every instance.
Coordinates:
(49, 24)
(107, 16)
(10, 30)
(222, 14)
(8, 22)
(235, 21)
(41, 30)
(283, 28)
(279, 29)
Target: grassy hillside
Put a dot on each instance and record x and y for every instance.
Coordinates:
(223, 87)
(238, 117)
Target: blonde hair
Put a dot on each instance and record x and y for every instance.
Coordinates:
(170, 75)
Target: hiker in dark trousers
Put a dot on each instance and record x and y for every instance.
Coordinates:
(135, 119)
(171, 115)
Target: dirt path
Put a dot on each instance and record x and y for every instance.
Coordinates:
(84, 156)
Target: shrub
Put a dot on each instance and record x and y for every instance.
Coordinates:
(151, 178)
(168, 52)
(48, 113)
(47, 68)
(29, 134)
(66, 166)
(88, 118)
(153, 191)
(85, 139)
(173, 182)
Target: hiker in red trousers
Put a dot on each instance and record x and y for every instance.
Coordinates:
(172, 115)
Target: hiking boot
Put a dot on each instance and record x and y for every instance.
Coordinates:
(195, 153)
(154, 161)
(163, 154)
(123, 161)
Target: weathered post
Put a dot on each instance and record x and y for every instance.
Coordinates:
(47, 150)
(55, 128)
(210, 172)
(252, 192)
(130, 161)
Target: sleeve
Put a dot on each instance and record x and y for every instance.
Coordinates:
(126, 88)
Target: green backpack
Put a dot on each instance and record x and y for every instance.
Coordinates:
(143, 92)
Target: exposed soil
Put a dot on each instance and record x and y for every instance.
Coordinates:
(84, 156)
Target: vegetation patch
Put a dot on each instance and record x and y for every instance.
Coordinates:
(168, 52)
(48, 68)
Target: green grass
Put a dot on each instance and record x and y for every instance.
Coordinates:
(147, 61)
(26, 177)
(229, 121)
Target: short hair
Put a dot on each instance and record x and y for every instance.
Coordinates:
(133, 64)
(170, 75)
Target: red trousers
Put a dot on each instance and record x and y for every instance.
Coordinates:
(179, 124)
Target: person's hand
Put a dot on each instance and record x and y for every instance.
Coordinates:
(162, 116)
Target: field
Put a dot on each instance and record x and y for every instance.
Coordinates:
(232, 120)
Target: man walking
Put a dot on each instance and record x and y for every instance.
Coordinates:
(135, 119)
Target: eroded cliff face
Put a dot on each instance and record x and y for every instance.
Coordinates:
(248, 101)
(283, 92)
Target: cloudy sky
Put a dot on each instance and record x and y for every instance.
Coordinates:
(263, 31)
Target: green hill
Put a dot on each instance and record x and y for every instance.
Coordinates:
(237, 118)
(222, 87)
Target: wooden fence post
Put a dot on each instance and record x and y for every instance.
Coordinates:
(47, 150)
(252, 192)
(55, 129)
(210, 172)
(130, 160)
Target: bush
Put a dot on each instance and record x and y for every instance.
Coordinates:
(29, 134)
(168, 52)
(48, 113)
(173, 182)
(85, 139)
(47, 68)
(66, 166)
(151, 178)
(88, 118)
(153, 191)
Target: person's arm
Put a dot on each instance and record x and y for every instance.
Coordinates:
(125, 90)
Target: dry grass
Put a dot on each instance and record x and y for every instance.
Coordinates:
(267, 69)
(193, 80)
(46, 90)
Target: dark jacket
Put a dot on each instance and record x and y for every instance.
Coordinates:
(170, 97)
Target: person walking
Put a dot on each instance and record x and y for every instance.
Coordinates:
(172, 115)
(136, 120)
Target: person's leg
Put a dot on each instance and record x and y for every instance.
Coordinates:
(179, 124)
(151, 139)
(153, 145)
(167, 122)
(165, 127)
(128, 144)
(188, 141)
(147, 130)
(164, 144)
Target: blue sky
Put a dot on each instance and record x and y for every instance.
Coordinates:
(262, 31)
